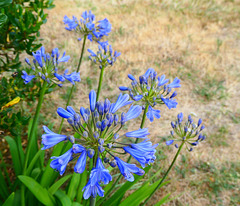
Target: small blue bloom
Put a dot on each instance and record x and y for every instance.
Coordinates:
(59, 77)
(162, 80)
(100, 174)
(64, 58)
(170, 103)
(27, 78)
(180, 117)
(50, 138)
(143, 152)
(63, 113)
(127, 169)
(92, 190)
(175, 83)
(121, 102)
(77, 148)
(60, 163)
(81, 163)
(92, 100)
(122, 88)
(140, 133)
(71, 23)
(133, 112)
(199, 122)
(169, 142)
(131, 77)
(73, 77)
(153, 113)
(137, 97)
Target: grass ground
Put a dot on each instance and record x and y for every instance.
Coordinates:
(197, 41)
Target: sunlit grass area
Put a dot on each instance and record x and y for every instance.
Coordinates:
(197, 41)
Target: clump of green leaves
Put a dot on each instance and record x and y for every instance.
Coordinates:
(20, 22)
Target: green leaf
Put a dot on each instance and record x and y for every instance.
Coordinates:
(3, 20)
(72, 190)
(4, 3)
(163, 200)
(64, 199)
(3, 187)
(58, 184)
(38, 191)
(83, 182)
(76, 204)
(9, 201)
(14, 153)
(141, 194)
(116, 197)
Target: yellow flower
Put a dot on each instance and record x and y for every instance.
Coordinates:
(11, 103)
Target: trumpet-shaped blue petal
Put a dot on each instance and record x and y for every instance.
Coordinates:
(63, 113)
(27, 78)
(60, 163)
(127, 169)
(138, 97)
(143, 152)
(50, 138)
(59, 77)
(73, 77)
(122, 88)
(133, 112)
(92, 100)
(81, 163)
(170, 103)
(175, 83)
(100, 174)
(121, 102)
(153, 113)
(140, 133)
(92, 190)
(169, 142)
(162, 80)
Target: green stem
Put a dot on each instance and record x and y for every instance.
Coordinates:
(32, 139)
(78, 69)
(166, 174)
(136, 141)
(100, 83)
(92, 201)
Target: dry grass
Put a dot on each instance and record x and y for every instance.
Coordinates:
(199, 42)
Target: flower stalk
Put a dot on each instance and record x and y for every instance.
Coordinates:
(100, 83)
(166, 174)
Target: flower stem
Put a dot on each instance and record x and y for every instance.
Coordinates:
(92, 201)
(78, 69)
(100, 83)
(137, 139)
(32, 138)
(166, 174)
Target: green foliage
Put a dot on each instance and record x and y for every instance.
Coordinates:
(20, 22)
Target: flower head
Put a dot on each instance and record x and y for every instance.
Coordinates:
(104, 56)
(87, 26)
(98, 135)
(189, 133)
(45, 66)
(152, 90)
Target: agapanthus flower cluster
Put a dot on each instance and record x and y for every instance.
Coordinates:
(87, 26)
(104, 56)
(98, 135)
(153, 90)
(188, 133)
(45, 66)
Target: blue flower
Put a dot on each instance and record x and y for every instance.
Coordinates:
(59, 77)
(50, 138)
(122, 88)
(162, 80)
(100, 174)
(71, 23)
(81, 163)
(60, 163)
(87, 26)
(121, 102)
(170, 103)
(92, 190)
(169, 142)
(64, 58)
(140, 133)
(133, 112)
(63, 113)
(27, 78)
(175, 83)
(73, 77)
(153, 113)
(127, 169)
(143, 152)
(92, 100)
